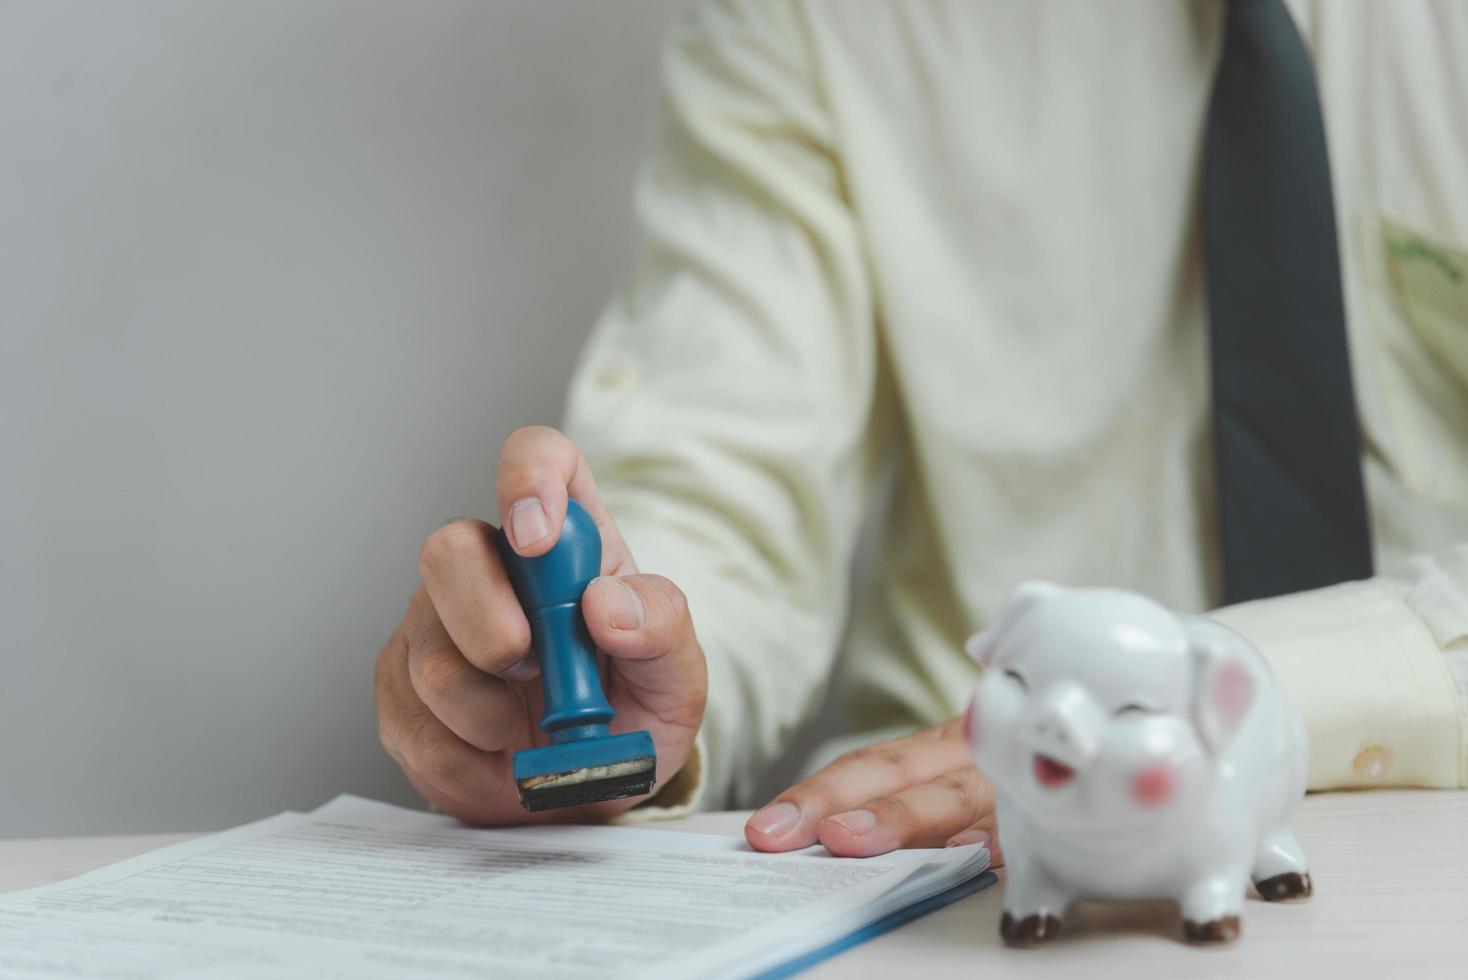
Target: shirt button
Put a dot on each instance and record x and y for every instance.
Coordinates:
(1372, 764)
(616, 375)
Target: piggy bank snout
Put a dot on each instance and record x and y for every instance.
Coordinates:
(1063, 725)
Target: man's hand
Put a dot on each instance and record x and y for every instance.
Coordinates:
(918, 791)
(458, 691)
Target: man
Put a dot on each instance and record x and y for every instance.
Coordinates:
(967, 240)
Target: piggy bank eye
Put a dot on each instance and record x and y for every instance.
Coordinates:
(1017, 677)
(1133, 708)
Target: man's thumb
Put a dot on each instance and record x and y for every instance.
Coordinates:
(637, 617)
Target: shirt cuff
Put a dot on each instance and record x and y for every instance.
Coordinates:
(1375, 687)
(1434, 588)
(679, 796)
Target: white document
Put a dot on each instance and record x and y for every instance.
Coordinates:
(366, 890)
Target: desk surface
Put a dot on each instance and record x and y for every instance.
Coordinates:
(1391, 900)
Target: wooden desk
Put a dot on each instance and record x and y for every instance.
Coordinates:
(1391, 903)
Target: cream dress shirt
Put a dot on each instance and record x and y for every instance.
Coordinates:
(960, 240)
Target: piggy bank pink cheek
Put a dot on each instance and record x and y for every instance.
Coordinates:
(1154, 786)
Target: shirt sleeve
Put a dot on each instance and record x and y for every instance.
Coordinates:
(726, 396)
(1379, 669)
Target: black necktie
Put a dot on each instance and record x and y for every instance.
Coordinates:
(1292, 510)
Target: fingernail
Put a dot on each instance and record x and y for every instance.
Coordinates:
(857, 821)
(971, 836)
(624, 607)
(775, 818)
(528, 523)
(521, 670)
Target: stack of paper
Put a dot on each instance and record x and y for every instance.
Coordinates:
(366, 890)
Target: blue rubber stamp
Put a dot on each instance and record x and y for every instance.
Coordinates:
(584, 762)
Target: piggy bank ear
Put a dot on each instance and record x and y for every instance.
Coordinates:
(981, 647)
(1224, 690)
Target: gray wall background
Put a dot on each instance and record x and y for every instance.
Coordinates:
(275, 279)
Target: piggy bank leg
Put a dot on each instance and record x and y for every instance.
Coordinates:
(1211, 907)
(1033, 905)
(1281, 872)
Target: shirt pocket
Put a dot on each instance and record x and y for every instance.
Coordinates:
(1418, 286)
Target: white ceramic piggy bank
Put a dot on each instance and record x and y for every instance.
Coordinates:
(1137, 754)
